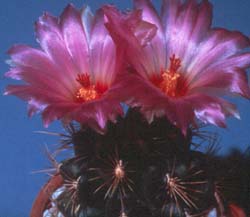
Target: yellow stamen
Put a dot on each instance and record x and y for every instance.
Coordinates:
(169, 83)
(170, 77)
(87, 94)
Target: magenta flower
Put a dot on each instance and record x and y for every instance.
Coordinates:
(187, 67)
(72, 76)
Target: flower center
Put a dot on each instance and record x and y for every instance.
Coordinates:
(88, 91)
(170, 77)
(87, 94)
(170, 81)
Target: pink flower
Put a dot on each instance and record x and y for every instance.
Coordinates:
(73, 75)
(187, 67)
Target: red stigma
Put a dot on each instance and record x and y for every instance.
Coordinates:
(83, 79)
(175, 64)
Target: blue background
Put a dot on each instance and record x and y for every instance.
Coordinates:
(22, 150)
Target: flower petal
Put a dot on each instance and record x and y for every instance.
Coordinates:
(57, 111)
(51, 40)
(98, 112)
(213, 110)
(131, 34)
(34, 67)
(220, 45)
(87, 21)
(27, 92)
(156, 48)
(103, 52)
(75, 38)
(185, 24)
(229, 74)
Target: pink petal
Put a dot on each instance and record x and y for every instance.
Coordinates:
(14, 73)
(40, 80)
(169, 13)
(203, 22)
(75, 38)
(131, 34)
(214, 79)
(33, 66)
(35, 106)
(212, 110)
(184, 113)
(57, 111)
(156, 48)
(52, 42)
(94, 114)
(27, 92)
(99, 111)
(178, 37)
(226, 74)
(220, 45)
(103, 52)
(239, 84)
(87, 21)
(185, 24)
(199, 28)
